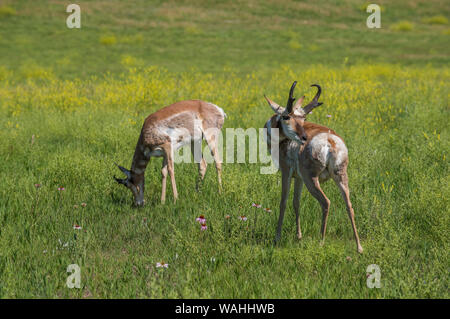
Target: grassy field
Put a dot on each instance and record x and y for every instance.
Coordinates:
(72, 103)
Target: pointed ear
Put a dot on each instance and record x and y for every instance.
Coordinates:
(275, 107)
(298, 104)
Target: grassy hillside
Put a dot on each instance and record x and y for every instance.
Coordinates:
(208, 35)
(72, 103)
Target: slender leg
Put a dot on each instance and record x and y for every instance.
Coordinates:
(212, 144)
(298, 185)
(168, 156)
(164, 179)
(202, 165)
(171, 169)
(201, 173)
(285, 187)
(342, 182)
(312, 183)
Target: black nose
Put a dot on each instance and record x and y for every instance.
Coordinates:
(304, 137)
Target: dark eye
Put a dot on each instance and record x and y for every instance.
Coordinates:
(285, 117)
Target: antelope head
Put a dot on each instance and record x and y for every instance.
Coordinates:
(134, 183)
(291, 118)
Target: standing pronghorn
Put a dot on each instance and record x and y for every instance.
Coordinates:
(164, 132)
(309, 153)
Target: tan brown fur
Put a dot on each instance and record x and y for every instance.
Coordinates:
(309, 153)
(312, 129)
(166, 129)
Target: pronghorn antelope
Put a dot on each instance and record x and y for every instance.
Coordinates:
(164, 132)
(309, 153)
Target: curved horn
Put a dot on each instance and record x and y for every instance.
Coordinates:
(315, 101)
(124, 170)
(120, 180)
(291, 99)
(319, 91)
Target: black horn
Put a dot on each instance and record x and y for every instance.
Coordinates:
(120, 180)
(291, 98)
(123, 181)
(319, 91)
(315, 101)
(125, 171)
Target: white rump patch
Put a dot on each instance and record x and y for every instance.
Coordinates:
(321, 147)
(342, 152)
(219, 109)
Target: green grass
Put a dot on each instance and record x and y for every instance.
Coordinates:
(71, 106)
(108, 40)
(394, 123)
(209, 35)
(440, 19)
(6, 11)
(402, 26)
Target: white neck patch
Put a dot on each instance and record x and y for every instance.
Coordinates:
(290, 133)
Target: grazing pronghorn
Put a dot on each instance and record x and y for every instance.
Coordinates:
(164, 132)
(309, 153)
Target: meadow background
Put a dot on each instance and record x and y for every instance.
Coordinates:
(72, 102)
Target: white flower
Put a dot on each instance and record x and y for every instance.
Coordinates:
(162, 264)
